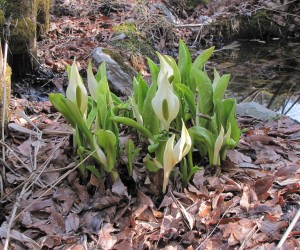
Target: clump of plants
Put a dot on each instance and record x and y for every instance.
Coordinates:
(181, 112)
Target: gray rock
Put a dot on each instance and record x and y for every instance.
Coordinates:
(169, 16)
(119, 77)
(256, 110)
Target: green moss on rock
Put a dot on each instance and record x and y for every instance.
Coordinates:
(126, 28)
(135, 45)
(120, 60)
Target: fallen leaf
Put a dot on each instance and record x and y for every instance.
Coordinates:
(204, 209)
(106, 239)
(237, 231)
(272, 228)
(267, 155)
(72, 223)
(287, 171)
(262, 186)
(248, 165)
(119, 188)
(237, 157)
(199, 178)
(104, 202)
(245, 199)
(14, 234)
(57, 222)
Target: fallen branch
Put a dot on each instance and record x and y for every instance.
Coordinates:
(290, 228)
(191, 25)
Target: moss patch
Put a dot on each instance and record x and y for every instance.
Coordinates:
(43, 16)
(188, 5)
(135, 45)
(126, 28)
(8, 91)
(120, 60)
(19, 8)
(2, 19)
(259, 26)
(23, 31)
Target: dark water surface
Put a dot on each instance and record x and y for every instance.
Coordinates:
(267, 73)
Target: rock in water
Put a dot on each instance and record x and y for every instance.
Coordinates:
(119, 74)
(256, 110)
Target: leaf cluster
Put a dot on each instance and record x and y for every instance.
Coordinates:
(181, 96)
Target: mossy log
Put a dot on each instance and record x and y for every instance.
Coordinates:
(5, 84)
(2, 18)
(43, 17)
(25, 18)
(21, 35)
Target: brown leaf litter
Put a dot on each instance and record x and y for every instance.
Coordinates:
(45, 205)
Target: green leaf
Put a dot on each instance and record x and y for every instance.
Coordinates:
(140, 89)
(94, 171)
(184, 173)
(78, 141)
(92, 113)
(205, 95)
(184, 63)
(194, 170)
(153, 147)
(230, 111)
(220, 116)
(188, 96)
(203, 58)
(129, 152)
(116, 99)
(220, 87)
(131, 123)
(201, 135)
(101, 72)
(72, 113)
(216, 78)
(101, 112)
(107, 141)
(68, 69)
(59, 103)
(150, 119)
(154, 69)
(151, 164)
(176, 73)
(217, 147)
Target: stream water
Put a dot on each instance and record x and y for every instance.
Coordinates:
(267, 73)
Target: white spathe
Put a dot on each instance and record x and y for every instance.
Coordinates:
(92, 83)
(75, 85)
(173, 155)
(165, 103)
(164, 69)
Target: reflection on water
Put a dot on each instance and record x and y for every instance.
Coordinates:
(267, 73)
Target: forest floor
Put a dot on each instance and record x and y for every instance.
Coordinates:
(45, 205)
